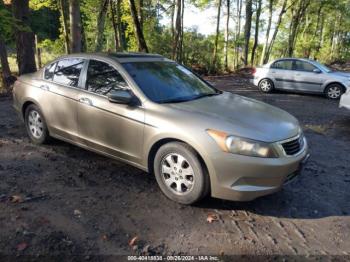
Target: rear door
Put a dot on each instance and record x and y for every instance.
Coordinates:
(282, 73)
(62, 83)
(115, 129)
(306, 79)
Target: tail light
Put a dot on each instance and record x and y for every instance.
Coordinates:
(253, 71)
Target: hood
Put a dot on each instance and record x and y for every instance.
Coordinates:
(240, 116)
(341, 74)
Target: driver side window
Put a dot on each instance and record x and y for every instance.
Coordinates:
(103, 78)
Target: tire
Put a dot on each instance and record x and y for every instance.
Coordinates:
(35, 125)
(266, 86)
(334, 91)
(186, 182)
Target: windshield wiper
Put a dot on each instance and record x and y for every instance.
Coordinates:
(206, 95)
(179, 100)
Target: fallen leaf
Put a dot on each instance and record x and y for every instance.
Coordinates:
(16, 199)
(22, 246)
(77, 212)
(104, 237)
(212, 217)
(133, 241)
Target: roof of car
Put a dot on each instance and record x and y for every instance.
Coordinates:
(118, 56)
(293, 58)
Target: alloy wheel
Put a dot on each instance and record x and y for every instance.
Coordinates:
(177, 173)
(265, 85)
(35, 124)
(334, 92)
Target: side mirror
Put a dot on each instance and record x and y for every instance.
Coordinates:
(317, 71)
(122, 97)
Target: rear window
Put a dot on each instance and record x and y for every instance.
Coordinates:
(283, 64)
(49, 71)
(68, 71)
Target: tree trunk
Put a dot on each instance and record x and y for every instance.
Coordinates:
(256, 36)
(140, 13)
(177, 31)
(238, 32)
(213, 64)
(5, 68)
(75, 26)
(115, 26)
(269, 48)
(267, 36)
(63, 12)
(227, 34)
(172, 20)
(298, 14)
(247, 28)
(138, 32)
(25, 40)
(182, 30)
(101, 18)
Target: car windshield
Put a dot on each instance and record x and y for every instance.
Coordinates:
(322, 67)
(168, 82)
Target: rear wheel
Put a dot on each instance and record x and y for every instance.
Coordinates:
(334, 91)
(36, 125)
(179, 173)
(266, 86)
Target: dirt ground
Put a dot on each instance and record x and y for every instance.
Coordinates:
(60, 200)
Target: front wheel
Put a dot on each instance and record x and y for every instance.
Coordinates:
(334, 91)
(180, 174)
(266, 86)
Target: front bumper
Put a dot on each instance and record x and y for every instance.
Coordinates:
(243, 178)
(345, 100)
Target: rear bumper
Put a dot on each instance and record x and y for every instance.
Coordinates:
(254, 81)
(242, 178)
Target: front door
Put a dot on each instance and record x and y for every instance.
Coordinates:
(306, 79)
(115, 129)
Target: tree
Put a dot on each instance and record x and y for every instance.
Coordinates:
(256, 35)
(267, 35)
(138, 31)
(297, 14)
(215, 50)
(62, 6)
(247, 28)
(75, 26)
(6, 24)
(238, 32)
(5, 68)
(270, 45)
(178, 31)
(25, 40)
(100, 26)
(228, 6)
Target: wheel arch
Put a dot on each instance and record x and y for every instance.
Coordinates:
(332, 83)
(155, 147)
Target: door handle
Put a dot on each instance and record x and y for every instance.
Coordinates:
(85, 100)
(45, 87)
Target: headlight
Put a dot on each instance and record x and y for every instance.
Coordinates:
(242, 146)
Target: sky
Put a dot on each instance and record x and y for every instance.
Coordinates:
(204, 20)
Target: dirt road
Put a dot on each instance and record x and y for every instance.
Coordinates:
(60, 200)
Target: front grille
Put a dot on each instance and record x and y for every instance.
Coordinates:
(293, 147)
